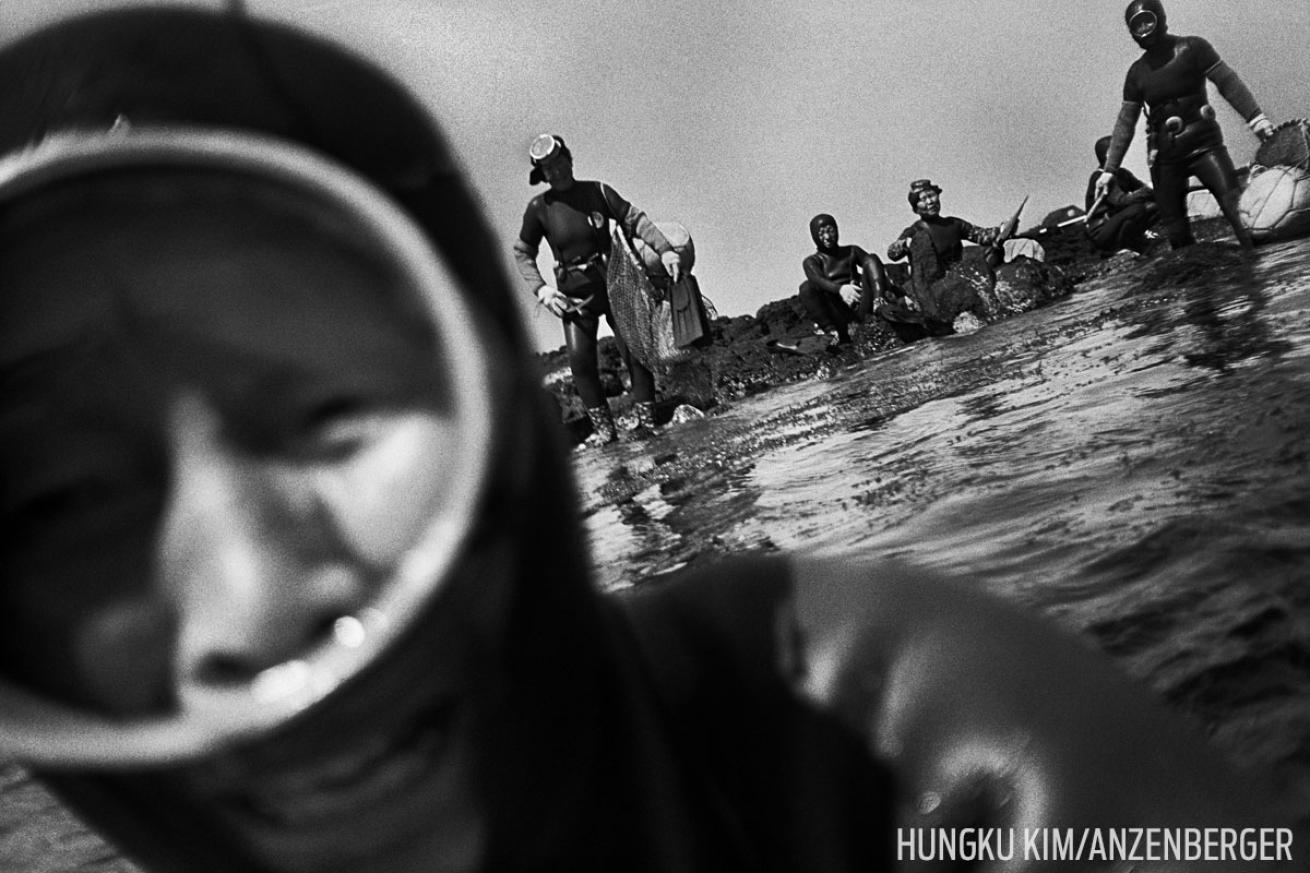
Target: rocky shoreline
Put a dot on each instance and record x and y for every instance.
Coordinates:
(743, 358)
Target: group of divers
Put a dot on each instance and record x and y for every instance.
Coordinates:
(845, 284)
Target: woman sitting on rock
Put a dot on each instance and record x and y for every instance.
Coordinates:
(845, 284)
(935, 244)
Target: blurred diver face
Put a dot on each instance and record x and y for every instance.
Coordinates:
(827, 234)
(1145, 28)
(557, 170)
(929, 202)
(225, 431)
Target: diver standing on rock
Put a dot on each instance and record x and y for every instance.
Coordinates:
(845, 284)
(1183, 137)
(934, 244)
(573, 217)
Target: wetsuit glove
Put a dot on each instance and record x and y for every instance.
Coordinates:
(1261, 126)
(672, 265)
(553, 300)
(1103, 184)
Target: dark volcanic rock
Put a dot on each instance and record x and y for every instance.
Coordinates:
(743, 357)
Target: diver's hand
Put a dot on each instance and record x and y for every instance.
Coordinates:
(1261, 126)
(850, 293)
(898, 249)
(553, 300)
(1103, 184)
(672, 265)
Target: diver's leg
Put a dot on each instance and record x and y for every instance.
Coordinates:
(1216, 172)
(580, 339)
(875, 287)
(1170, 183)
(818, 303)
(643, 380)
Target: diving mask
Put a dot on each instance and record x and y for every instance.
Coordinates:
(244, 420)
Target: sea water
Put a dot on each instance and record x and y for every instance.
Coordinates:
(1132, 462)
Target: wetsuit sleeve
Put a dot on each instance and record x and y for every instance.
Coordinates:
(814, 273)
(634, 220)
(526, 248)
(900, 247)
(983, 236)
(1122, 135)
(1234, 90)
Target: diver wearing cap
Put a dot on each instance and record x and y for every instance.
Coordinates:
(1183, 137)
(573, 217)
(844, 284)
(934, 245)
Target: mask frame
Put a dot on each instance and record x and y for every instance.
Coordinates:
(38, 731)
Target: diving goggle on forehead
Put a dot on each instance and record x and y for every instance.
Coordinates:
(244, 424)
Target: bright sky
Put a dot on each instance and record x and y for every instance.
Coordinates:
(742, 120)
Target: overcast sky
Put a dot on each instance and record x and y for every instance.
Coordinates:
(742, 120)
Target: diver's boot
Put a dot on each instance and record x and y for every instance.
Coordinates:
(644, 412)
(602, 427)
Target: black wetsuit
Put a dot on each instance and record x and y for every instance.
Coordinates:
(1121, 218)
(935, 244)
(1183, 137)
(574, 222)
(828, 269)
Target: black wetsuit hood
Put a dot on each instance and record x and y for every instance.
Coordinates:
(1152, 7)
(225, 70)
(823, 219)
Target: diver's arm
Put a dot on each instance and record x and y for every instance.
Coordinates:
(986, 713)
(1234, 90)
(1122, 136)
(636, 223)
(983, 236)
(900, 247)
(525, 257)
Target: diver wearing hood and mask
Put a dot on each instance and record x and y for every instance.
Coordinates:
(292, 572)
(845, 284)
(1183, 137)
(574, 217)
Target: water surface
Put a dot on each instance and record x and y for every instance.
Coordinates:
(1133, 462)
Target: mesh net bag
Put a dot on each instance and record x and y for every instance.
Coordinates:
(641, 312)
(1289, 146)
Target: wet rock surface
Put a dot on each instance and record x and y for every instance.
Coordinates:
(748, 353)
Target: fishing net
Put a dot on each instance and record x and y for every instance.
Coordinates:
(641, 311)
(1288, 146)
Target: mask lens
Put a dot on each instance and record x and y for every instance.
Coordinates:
(542, 148)
(242, 421)
(1143, 24)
